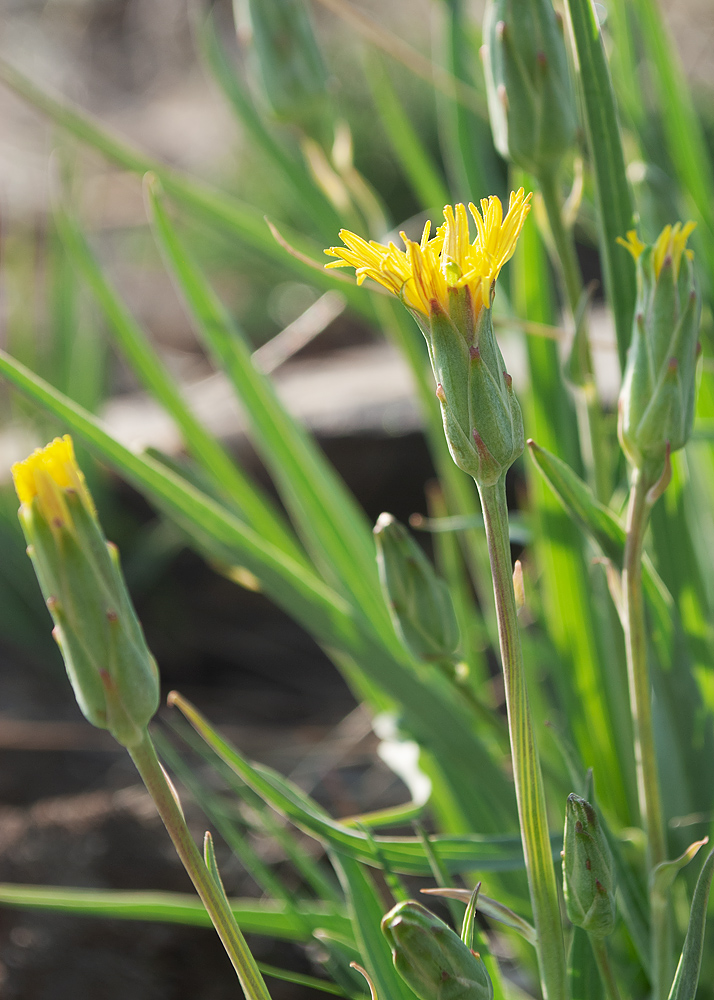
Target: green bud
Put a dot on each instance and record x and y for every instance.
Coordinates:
(432, 960)
(418, 600)
(588, 879)
(289, 62)
(656, 406)
(531, 102)
(482, 417)
(113, 674)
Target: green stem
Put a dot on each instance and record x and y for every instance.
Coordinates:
(530, 794)
(592, 437)
(607, 975)
(158, 786)
(641, 707)
(638, 672)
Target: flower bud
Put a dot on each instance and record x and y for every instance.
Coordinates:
(588, 879)
(419, 601)
(432, 960)
(113, 674)
(481, 415)
(531, 102)
(656, 407)
(289, 62)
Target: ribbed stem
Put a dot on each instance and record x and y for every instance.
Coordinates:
(648, 787)
(607, 975)
(527, 775)
(157, 784)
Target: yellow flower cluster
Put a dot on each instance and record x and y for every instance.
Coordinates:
(671, 242)
(422, 274)
(47, 474)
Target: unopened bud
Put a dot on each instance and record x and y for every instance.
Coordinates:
(588, 879)
(113, 674)
(656, 407)
(419, 601)
(432, 960)
(531, 102)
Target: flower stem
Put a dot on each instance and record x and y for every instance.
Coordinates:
(604, 968)
(530, 795)
(158, 786)
(641, 707)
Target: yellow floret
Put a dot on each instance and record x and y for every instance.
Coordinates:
(423, 273)
(48, 473)
(671, 242)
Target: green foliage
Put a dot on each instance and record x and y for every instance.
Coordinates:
(592, 638)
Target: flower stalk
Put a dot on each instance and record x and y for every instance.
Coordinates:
(527, 774)
(157, 784)
(656, 413)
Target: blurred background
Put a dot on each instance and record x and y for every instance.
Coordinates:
(71, 812)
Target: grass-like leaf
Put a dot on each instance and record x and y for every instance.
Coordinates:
(614, 202)
(325, 513)
(254, 505)
(290, 167)
(209, 204)
(254, 916)
(419, 169)
(367, 910)
(686, 977)
(606, 531)
(403, 855)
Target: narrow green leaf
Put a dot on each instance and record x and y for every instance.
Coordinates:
(662, 877)
(326, 515)
(205, 202)
(467, 146)
(254, 916)
(217, 814)
(585, 983)
(614, 202)
(686, 977)
(290, 167)
(491, 907)
(367, 910)
(608, 533)
(266, 823)
(415, 161)
(300, 979)
(403, 855)
(255, 506)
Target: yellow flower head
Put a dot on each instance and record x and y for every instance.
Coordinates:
(671, 242)
(423, 273)
(48, 473)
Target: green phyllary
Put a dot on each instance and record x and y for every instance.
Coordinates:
(531, 102)
(431, 958)
(419, 601)
(656, 406)
(588, 870)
